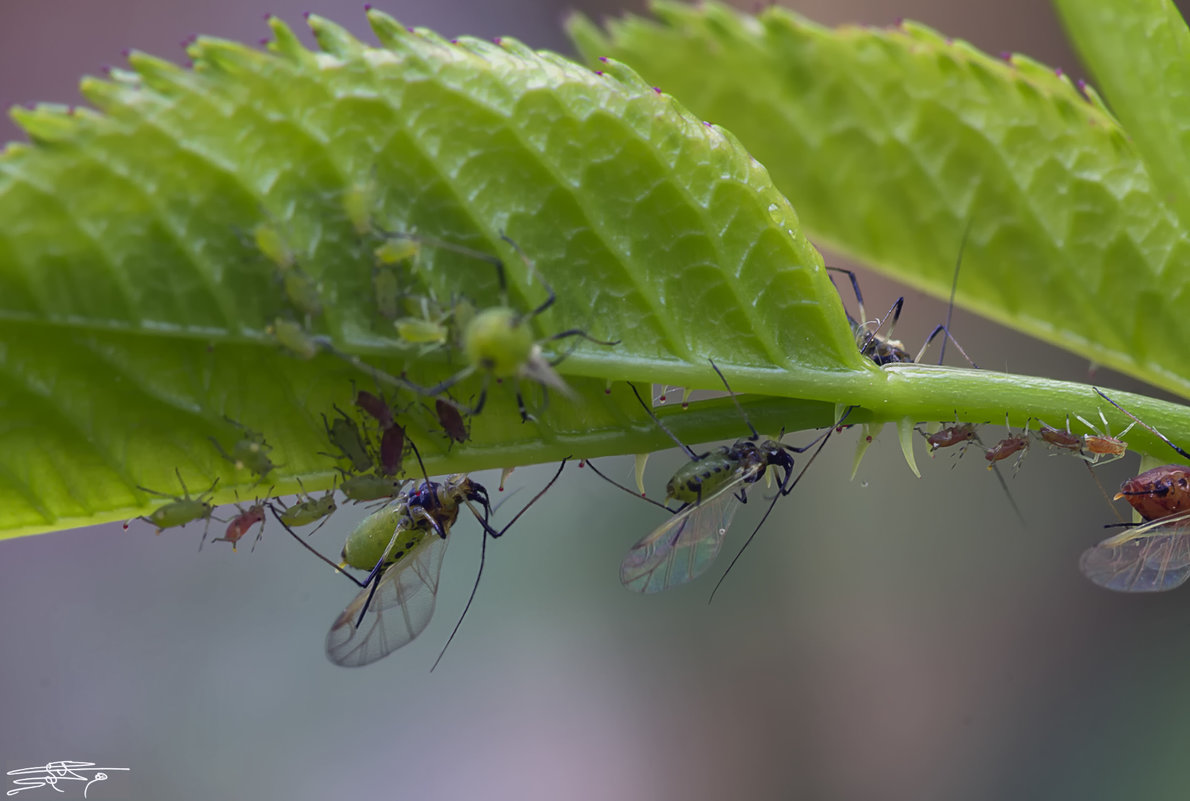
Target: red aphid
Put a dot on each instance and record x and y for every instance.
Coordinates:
(241, 524)
(451, 421)
(392, 449)
(376, 407)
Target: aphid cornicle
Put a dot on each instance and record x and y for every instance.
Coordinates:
(498, 341)
(402, 546)
(710, 488)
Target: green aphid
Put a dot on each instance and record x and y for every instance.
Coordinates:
(250, 452)
(302, 291)
(371, 487)
(271, 243)
(309, 509)
(498, 342)
(396, 250)
(386, 280)
(294, 338)
(358, 202)
(386, 286)
(420, 331)
(179, 511)
(346, 437)
(434, 326)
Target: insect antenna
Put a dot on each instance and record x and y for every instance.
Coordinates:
(551, 298)
(462, 250)
(1012, 500)
(483, 549)
(301, 541)
(735, 400)
(782, 492)
(685, 448)
(954, 285)
(422, 465)
(630, 491)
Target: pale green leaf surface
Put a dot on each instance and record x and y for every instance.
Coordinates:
(134, 303)
(889, 141)
(1139, 52)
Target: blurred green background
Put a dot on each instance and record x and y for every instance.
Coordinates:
(886, 637)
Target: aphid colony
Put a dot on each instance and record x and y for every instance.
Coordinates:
(1152, 556)
(1094, 448)
(400, 545)
(496, 342)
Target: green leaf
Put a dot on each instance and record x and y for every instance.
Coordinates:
(889, 142)
(135, 302)
(149, 247)
(1138, 53)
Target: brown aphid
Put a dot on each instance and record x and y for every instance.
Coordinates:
(376, 407)
(1005, 448)
(952, 435)
(1159, 492)
(1013, 443)
(451, 420)
(1059, 438)
(392, 449)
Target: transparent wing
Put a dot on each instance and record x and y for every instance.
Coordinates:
(683, 547)
(400, 609)
(1151, 558)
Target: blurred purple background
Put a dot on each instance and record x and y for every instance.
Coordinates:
(886, 637)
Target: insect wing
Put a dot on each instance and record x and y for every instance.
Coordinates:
(683, 547)
(400, 609)
(1151, 558)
